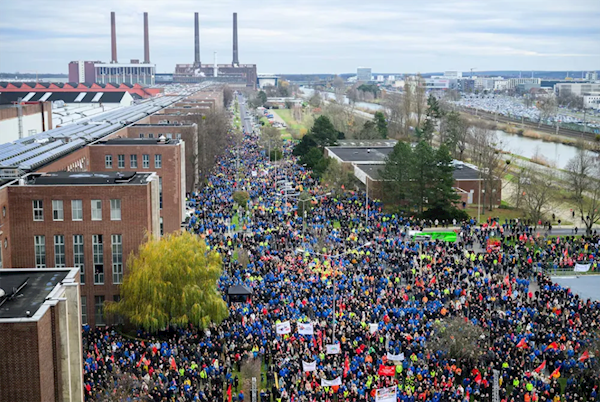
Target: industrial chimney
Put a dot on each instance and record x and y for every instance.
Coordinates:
(196, 41)
(113, 37)
(146, 41)
(215, 68)
(235, 62)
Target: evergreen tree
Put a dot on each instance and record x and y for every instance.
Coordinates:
(397, 172)
(323, 132)
(381, 123)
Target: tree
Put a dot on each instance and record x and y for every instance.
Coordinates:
(397, 172)
(381, 124)
(315, 100)
(314, 160)
(305, 145)
(426, 132)
(337, 178)
(547, 107)
(368, 131)
(419, 98)
(213, 138)
(271, 138)
(227, 95)
(172, 281)
(538, 194)
(338, 89)
(262, 97)
(454, 132)
(323, 132)
(460, 340)
(407, 106)
(241, 198)
(583, 177)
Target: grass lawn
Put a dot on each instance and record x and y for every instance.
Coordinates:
(286, 115)
(336, 224)
(285, 135)
(235, 220)
(500, 213)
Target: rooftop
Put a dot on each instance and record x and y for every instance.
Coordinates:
(372, 170)
(86, 178)
(361, 154)
(139, 141)
(39, 285)
(462, 171)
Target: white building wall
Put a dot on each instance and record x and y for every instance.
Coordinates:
(9, 128)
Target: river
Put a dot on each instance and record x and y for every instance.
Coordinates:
(556, 154)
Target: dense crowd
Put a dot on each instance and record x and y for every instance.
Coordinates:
(371, 290)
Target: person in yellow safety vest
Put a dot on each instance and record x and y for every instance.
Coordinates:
(516, 383)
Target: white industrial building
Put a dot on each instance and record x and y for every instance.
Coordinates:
(578, 89)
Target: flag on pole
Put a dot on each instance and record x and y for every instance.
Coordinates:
(552, 346)
(346, 366)
(522, 344)
(540, 367)
(584, 356)
(555, 373)
(229, 393)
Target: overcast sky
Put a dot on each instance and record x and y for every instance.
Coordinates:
(311, 36)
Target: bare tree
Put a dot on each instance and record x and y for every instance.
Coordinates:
(583, 177)
(352, 94)
(338, 88)
(213, 137)
(486, 152)
(547, 107)
(227, 95)
(420, 99)
(395, 117)
(407, 106)
(459, 339)
(538, 194)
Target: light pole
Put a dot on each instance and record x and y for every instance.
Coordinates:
(332, 257)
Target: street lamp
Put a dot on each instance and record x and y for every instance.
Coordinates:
(302, 250)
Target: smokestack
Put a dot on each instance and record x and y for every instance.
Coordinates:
(196, 41)
(113, 37)
(215, 69)
(146, 41)
(235, 62)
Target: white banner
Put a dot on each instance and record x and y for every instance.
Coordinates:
(283, 328)
(392, 357)
(333, 349)
(386, 395)
(373, 328)
(582, 267)
(305, 328)
(328, 383)
(309, 366)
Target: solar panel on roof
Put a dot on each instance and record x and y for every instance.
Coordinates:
(28, 155)
(19, 149)
(51, 155)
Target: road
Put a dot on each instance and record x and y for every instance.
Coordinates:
(246, 123)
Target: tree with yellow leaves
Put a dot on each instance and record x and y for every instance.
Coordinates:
(171, 281)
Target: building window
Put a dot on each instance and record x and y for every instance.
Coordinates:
(3, 212)
(150, 135)
(38, 210)
(98, 254)
(145, 161)
(178, 136)
(99, 309)
(59, 251)
(76, 210)
(32, 132)
(160, 192)
(169, 136)
(161, 226)
(115, 210)
(83, 310)
(158, 161)
(58, 213)
(117, 258)
(96, 210)
(40, 251)
(133, 161)
(78, 256)
(141, 135)
(121, 161)
(108, 161)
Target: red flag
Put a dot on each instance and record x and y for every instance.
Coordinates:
(387, 370)
(584, 356)
(540, 367)
(96, 350)
(555, 373)
(432, 281)
(112, 358)
(552, 346)
(506, 280)
(346, 366)
(173, 364)
(229, 393)
(522, 344)
(478, 379)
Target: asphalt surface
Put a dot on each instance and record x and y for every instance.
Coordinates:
(586, 286)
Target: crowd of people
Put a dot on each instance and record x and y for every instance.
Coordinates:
(372, 305)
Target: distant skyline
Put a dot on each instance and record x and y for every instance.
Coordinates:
(310, 36)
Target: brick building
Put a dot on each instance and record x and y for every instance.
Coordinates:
(177, 129)
(91, 221)
(40, 336)
(166, 157)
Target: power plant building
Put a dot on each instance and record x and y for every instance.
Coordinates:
(235, 74)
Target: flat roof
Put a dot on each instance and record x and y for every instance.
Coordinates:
(361, 154)
(86, 178)
(586, 286)
(464, 172)
(139, 141)
(367, 143)
(372, 170)
(40, 283)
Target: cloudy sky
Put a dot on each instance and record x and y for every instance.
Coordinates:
(309, 36)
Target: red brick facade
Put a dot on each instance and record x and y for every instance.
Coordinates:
(169, 172)
(135, 224)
